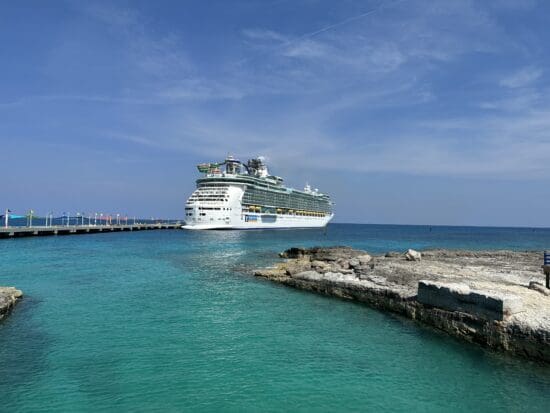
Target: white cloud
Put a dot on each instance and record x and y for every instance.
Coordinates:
(307, 48)
(264, 35)
(521, 78)
(520, 101)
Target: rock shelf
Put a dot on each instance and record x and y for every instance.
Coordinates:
(494, 298)
(8, 298)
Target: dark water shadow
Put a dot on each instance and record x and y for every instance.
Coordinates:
(24, 347)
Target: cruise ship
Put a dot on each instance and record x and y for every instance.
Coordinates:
(236, 195)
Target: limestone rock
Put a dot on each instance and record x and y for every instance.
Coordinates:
(343, 263)
(412, 255)
(271, 273)
(459, 297)
(294, 252)
(354, 262)
(374, 278)
(322, 253)
(308, 276)
(320, 266)
(360, 261)
(534, 285)
(298, 265)
(8, 298)
(364, 259)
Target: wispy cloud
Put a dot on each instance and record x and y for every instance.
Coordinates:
(376, 62)
(380, 41)
(347, 94)
(264, 35)
(521, 78)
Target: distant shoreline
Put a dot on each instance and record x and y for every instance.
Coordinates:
(442, 226)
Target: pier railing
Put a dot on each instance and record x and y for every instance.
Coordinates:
(9, 232)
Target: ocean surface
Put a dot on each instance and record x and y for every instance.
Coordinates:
(174, 321)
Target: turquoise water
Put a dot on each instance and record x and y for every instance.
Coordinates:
(173, 321)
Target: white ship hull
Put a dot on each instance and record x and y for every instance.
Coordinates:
(281, 222)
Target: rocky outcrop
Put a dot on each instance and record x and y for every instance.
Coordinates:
(8, 298)
(491, 298)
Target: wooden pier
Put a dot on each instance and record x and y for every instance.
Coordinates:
(11, 232)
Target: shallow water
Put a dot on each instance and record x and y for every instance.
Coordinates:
(173, 320)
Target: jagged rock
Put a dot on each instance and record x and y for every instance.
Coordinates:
(534, 285)
(334, 276)
(392, 254)
(360, 261)
(294, 252)
(374, 278)
(322, 253)
(412, 255)
(298, 265)
(309, 276)
(334, 266)
(364, 259)
(8, 298)
(320, 266)
(364, 269)
(271, 273)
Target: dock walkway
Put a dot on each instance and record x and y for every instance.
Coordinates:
(11, 232)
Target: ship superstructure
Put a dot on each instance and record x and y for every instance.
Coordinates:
(235, 195)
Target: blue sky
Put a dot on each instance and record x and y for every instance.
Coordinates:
(409, 112)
